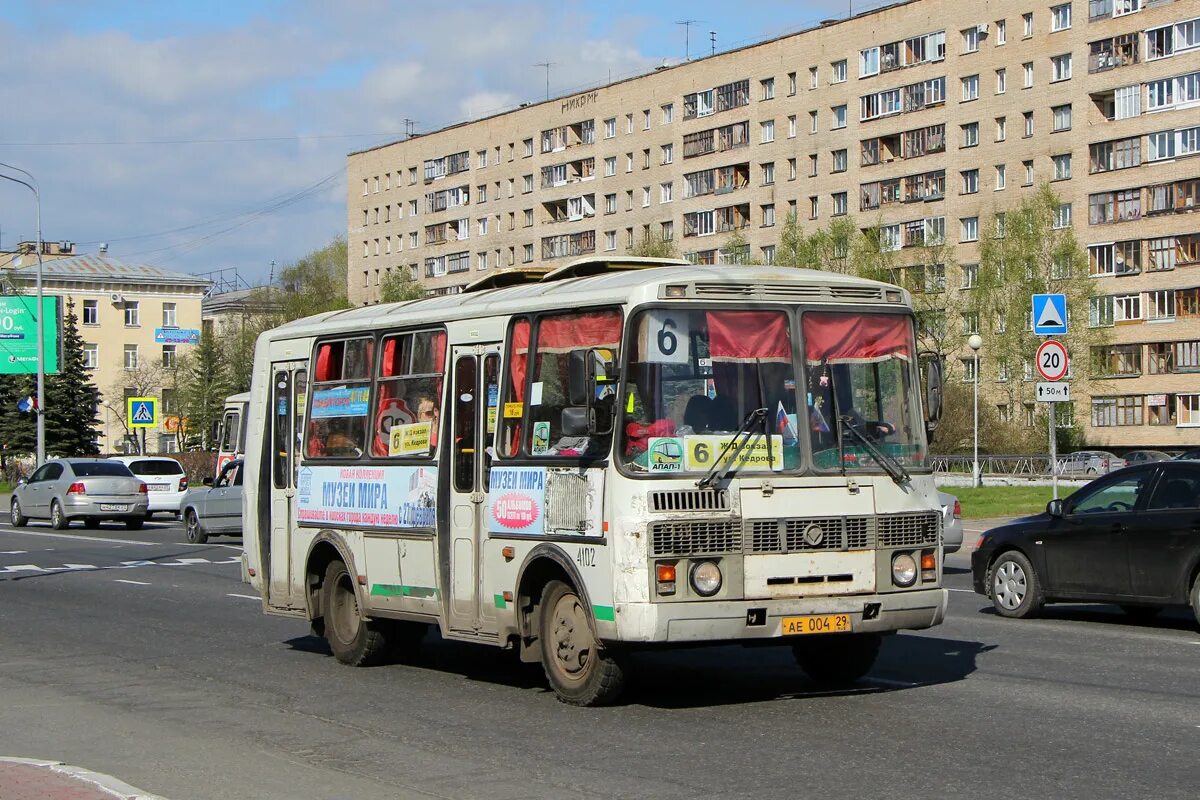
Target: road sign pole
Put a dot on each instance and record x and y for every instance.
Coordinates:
(1053, 453)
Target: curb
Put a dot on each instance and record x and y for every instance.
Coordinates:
(107, 783)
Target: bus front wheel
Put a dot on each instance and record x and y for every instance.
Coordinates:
(837, 659)
(580, 671)
(353, 639)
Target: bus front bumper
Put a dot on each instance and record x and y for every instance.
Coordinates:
(754, 619)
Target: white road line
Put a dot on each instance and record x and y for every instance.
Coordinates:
(244, 596)
(12, 552)
(968, 591)
(135, 583)
(80, 538)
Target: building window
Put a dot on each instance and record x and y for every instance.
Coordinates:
(812, 165)
(1028, 165)
(168, 356)
(131, 314)
(666, 192)
(813, 207)
(1110, 412)
(1062, 166)
(646, 120)
(645, 197)
(91, 312)
(610, 240)
(610, 203)
(839, 161)
(970, 134)
(610, 128)
(668, 113)
(768, 130)
(1001, 129)
(767, 87)
(1062, 117)
(528, 143)
(968, 368)
(1001, 81)
(1189, 410)
(839, 204)
(812, 122)
(1028, 115)
(1060, 17)
(791, 169)
(969, 229)
(528, 256)
(131, 356)
(970, 39)
(91, 356)
(1062, 216)
(791, 126)
(970, 276)
(1061, 67)
(668, 153)
(970, 181)
(970, 87)
(839, 117)
(629, 123)
(838, 71)
(768, 173)
(1027, 72)
(791, 84)
(1000, 176)
(812, 77)
(768, 215)
(169, 315)
(610, 166)
(1027, 25)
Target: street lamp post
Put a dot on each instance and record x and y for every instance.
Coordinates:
(976, 342)
(31, 184)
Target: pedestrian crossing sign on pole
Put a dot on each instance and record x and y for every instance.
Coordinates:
(142, 412)
(1049, 314)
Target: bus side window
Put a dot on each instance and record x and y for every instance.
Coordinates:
(299, 398)
(491, 388)
(411, 372)
(512, 409)
(337, 413)
(281, 414)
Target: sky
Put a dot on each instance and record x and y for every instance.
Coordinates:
(207, 135)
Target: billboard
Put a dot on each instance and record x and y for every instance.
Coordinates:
(177, 336)
(18, 334)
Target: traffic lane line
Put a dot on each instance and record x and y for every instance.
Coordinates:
(135, 583)
(7, 528)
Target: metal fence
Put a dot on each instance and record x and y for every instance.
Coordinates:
(1023, 466)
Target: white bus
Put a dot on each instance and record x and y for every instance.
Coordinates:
(611, 455)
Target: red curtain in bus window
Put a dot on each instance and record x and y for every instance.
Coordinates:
(324, 362)
(439, 351)
(391, 347)
(748, 336)
(519, 360)
(845, 338)
(566, 332)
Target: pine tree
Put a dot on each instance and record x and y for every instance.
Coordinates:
(18, 429)
(204, 385)
(71, 397)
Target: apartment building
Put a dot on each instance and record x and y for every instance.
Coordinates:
(925, 118)
(136, 321)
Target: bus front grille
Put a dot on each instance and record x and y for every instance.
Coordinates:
(690, 500)
(907, 530)
(808, 534)
(694, 537)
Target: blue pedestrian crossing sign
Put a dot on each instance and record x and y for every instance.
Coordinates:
(1049, 314)
(142, 412)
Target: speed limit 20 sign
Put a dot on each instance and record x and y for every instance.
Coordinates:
(1052, 360)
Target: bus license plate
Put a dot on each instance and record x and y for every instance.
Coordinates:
(820, 623)
(113, 507)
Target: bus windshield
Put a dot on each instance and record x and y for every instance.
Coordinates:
(695, 376)
(861, 385)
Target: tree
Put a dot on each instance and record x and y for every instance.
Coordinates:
(18, 429)
(203, 384)
(72, 399)
(398, 285)
(315, 283)
(736, 249)
(825, 248)
(1031, 253)
(145, 380)
(652, 245)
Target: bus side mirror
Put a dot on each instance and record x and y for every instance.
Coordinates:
(581, 380)
(578, 421)
(207, 481)
(933, 389)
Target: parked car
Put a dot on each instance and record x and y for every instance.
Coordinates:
(87, 489)
(216, 509)
(166, 481)
(1130, 538)
(1189, 455)
(1145, 456)
(1090, 462)
(952, 527)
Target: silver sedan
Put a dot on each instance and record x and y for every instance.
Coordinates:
(86, 489)
(952, 525)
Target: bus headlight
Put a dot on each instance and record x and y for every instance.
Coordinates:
(706, 578)
(904, 569)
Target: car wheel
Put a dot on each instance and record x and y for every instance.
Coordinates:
(353, 638)
(58, 520)
(134, 524)
(1142, 613)
(837, 659)
(1013, 586)
(1091, 470)
(19, 520)
(195, 534)
(579, 670)
(1196, 598)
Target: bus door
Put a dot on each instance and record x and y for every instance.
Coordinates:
(474, 401)
(289, 387)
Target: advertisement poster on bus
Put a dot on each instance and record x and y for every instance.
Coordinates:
(369, 497)
(340, 402)
(517, 500)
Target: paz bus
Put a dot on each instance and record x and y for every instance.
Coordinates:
(230, 434)
(612, 455)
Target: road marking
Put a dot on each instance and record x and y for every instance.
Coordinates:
(135, 583)
(244, 596)
(968, 591)
(81, 538)
(80, 566)
(12, 552)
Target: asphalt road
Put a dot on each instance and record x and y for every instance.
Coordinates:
(137, 655)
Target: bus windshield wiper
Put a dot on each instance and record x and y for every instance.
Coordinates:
(890, 465)
(737, 443)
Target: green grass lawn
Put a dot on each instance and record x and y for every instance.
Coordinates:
(1004, 501)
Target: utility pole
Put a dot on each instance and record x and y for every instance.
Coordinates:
(31, 184)
(410, 126)
(712, 40)
(547, 65)
(687, 36)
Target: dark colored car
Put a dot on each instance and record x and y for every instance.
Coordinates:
(1189, 455)
(1130, 538)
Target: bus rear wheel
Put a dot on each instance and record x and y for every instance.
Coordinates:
(580, 671)
(837, 659)
(353, 639)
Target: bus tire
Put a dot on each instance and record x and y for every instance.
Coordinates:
(353, 639)
(580, 671)
(837, 659)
